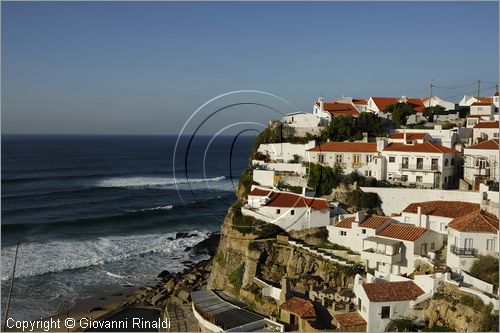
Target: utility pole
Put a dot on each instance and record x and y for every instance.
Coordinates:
(430, 92)
(10, 290)
(478, 88)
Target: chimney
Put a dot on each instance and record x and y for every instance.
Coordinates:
(303, 191)
(321, 104)
(365, 137)
(404, 136)
(419, 216)
(381, 144)
(403, 99)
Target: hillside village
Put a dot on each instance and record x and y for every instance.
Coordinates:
(364, 215)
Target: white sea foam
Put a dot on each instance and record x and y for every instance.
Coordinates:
(153, 181)
(40, 258)
(167, 207)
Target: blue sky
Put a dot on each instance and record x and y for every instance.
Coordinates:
(145, 67)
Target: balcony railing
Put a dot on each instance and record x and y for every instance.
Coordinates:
(419, 167)
(462, 251)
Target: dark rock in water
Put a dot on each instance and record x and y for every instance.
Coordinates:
(181, 235)
(187, 262)
(208, 245)
(170, 238)
(98, 308)
(188, 248)
(192, 235)
(164, 274)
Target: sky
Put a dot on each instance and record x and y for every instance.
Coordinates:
(144, 68)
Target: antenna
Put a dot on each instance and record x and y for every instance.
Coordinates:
(430, 92)
(478, 88)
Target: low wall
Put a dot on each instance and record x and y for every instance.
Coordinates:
(395, 200)
(477, 283)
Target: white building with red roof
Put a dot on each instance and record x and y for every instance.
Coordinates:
(328, 110)
(424, 165)
(438, 101)
(379, 104)
(481, 163)
(444, 137)
(435, 215)
(402, 137)
(288, 210)
(485, 130)
(471, 235)
(351, 156)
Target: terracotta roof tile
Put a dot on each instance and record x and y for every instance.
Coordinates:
(490, 144)
(487, 124)
(260, 192)
(425, 147)
(301, 307)
(339, 109)
(478, 221)
(481, 104)
(473, 116)
(383, 102)
(355, 147)
(374, 221)
(289, 200)
(485, 99)
(409, 135)
(392, 291)
(359, 101)
(346, 223)
(403, 232)
(350, 319)
(443, 208)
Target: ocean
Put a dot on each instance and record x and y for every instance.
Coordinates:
(95, 213)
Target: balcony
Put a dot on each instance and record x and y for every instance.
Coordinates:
(463, 252)
(418, 167)
(371, 255)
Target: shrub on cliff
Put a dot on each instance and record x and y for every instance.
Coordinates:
(236, 277)
(324, 178)
(485, 268)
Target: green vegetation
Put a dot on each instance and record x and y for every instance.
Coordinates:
(250, 225)
(486, 268)
(324, 178)
(401, 325)
(295, 159)
(246, 181)
(354, 177)
(400, 112)
(236, 277)
(430, 111)
(220, 260)
(257, 292)
(438, 329)
(363, 200)
(349, 128)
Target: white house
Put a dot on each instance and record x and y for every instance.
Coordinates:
(402, 137)
(283, 152)
(350, 230)
(351, 156)
(485, 130)
(469, 236)
(486, 109)
(481, 163)
(444, 137)
(382, 301)
(435, 215)
(288, 210)
(468, 100)
(435, 100)
(329, 110)
(425, 165)
(400, 248)
(302, 123)
(360, 104)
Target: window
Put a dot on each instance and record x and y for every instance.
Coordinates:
(359, 303)
(407, 219)
(356, 159)
(392, 159)
(495, 135)
(369, 158)
(490, 244)
(338, 159)
(468, 243)
(386, 312)
(433, 245)
(482, 164)
(405, 163)
(452, 161)
(321, 158)
(420, 162)
(278, 211)
(363, 231)
(404, 178)
(368, 173)
(446, 162)
(435, 164)
(419, 179)
(292, 212)
(343, 233)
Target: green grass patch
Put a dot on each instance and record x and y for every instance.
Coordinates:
(220, 260)
(236, 277)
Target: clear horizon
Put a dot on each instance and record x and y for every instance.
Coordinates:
(143, 68)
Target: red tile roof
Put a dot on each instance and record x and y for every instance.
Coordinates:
(485, 99)
(490, 144)
(487, 124)
(359, 101)
(374, 221)
(478, 221)
(301, 307)
(473, 116)
(402, 232)
(383, 102)
(346, 223)
(354, 147)
(260, 192)
(392, 291)
(289, 200)
(425, 147)
(339, 109)
(350, 319)
(481, 104)
(449, 209)
(409, 135)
